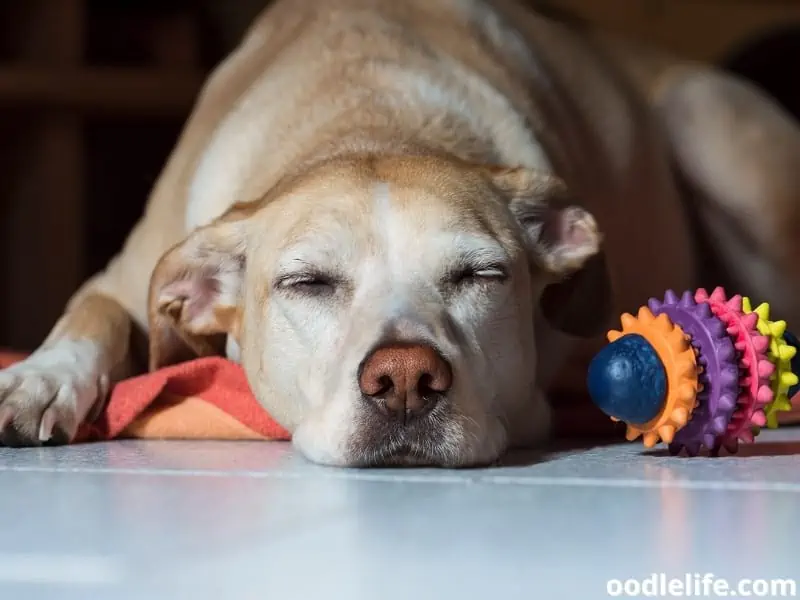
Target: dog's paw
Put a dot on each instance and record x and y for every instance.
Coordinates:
(45, 398)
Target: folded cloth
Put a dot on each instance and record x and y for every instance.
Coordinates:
(209, 398)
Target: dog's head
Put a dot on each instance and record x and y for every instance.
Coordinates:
(385, 309)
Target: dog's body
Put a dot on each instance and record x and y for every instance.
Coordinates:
(366, 142)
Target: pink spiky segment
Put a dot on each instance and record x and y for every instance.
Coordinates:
(754, 366)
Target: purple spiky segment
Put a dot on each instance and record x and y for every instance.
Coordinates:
(719, 377)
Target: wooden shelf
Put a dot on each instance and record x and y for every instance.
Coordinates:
(120, 91)
(51, 88)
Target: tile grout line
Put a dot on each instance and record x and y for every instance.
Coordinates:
(376, 477)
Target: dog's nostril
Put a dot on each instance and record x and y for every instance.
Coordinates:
(423, 397)
(438, 381)
(428, 387)
(425, 383)
(385, 385)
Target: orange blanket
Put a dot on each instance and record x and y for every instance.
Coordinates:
(207, 398)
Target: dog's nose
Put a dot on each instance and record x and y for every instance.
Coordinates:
(405, 381)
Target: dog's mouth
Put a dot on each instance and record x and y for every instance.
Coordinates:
(405, 456)
(426, 441)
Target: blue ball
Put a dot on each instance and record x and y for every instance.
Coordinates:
(792, 341)
(627, 380)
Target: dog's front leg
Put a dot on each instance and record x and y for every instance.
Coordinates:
(45, 398)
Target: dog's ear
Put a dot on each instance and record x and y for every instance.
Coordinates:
(195, 294)
(564, 241)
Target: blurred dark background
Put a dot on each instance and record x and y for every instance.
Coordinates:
(93, 94)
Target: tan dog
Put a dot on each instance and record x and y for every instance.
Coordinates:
(389, 211)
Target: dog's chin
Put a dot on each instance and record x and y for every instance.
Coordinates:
(407, 456)
(437, 440)
(345, 435)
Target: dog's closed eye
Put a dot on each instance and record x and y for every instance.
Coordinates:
(308, 283)
(478, 274)
(476, 262)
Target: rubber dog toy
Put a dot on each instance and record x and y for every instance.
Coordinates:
(696, 371)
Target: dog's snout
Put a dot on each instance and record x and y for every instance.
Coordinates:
(405, 381)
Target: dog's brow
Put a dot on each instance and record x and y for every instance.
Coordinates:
(478, 248)
(482, 258)
(303, 256)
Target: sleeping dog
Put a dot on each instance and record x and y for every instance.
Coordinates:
(399, 217)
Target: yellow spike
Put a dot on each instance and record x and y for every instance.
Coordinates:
(786, 352)
(613, 336)
(680, 416)
(627, 320)
(650, 439)
(747, 307)
(777, 328)
(667, 433)
(774, 346)
(788, 379)
(762, 310)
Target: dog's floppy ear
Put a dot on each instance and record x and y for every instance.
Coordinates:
(195, 294)
(565, 242)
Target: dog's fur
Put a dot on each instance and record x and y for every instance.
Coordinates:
(461, 174)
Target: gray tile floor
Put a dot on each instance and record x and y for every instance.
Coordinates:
(243, 521)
